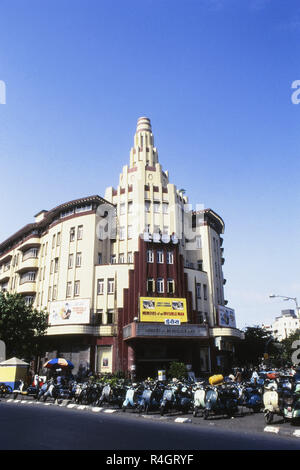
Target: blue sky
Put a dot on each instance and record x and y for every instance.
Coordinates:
(214, 77)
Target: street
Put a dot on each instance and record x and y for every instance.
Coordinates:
(27, 425)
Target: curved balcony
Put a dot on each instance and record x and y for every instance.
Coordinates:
(4, 277)
(227, 332)
(27, 287)
(28, 265)
(6, 258)
(33, 241)
(103, 330)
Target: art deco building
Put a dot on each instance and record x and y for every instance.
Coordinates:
(133, 281)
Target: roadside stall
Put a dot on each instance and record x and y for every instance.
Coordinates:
(13, 370)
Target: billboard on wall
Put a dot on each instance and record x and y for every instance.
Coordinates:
(226, 317)
(69, 312)
(163, 309)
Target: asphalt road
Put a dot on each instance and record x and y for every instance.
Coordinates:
(31, 426)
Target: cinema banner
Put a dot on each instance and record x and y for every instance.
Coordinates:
(67, 313)
(162, 309)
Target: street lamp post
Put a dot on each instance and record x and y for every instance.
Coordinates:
(285, 297)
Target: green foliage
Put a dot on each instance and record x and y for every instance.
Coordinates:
(257, 342)
(177, 370)
(21, 326)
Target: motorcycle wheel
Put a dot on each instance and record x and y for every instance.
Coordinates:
(195, 412)
(269, 417)
(162, 410)
(123, 409)
(205, 414)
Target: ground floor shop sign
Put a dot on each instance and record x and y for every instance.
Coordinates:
(157, 330)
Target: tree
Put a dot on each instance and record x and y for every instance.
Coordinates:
(21, 326)
(177, 370)
(257, 342)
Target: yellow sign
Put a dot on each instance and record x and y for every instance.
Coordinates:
(162, 309)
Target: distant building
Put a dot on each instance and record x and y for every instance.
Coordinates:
(284, 325)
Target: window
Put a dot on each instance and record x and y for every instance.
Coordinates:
(113, 259)
(150, 256)
(130, 231)
(52, 266)
(156, 207)
(72, 234)
(147, 206)
(56, 265)
(130, 257)
(110, 317)
(170, 257)
(198, 291)
(28, 277)
(198, 242)
(70, 262)
(130, 205)
(199, 317)
(54, 293)
(58, 239)
(98, 317)
(122, 208)
(79, 232)
(99, 258)
(165, 208)
(160, 256)
(122, 233)
(53, 241)
(100, 286)
(69, 289)
(78, 260)
(200, 265)
(50, 293)
(205, 291)
(150, 286)
(110, 286)
(76, 288)
(160, 285)
(121, 258)
(170, 286)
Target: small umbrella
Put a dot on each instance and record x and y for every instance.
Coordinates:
(58, 362)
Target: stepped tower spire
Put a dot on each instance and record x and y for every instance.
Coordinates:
(143, 149)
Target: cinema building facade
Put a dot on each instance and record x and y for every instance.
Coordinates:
(132, 281)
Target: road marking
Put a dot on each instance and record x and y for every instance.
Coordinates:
(109, 411)
(183, 420)
(271, 429)
(96, 409)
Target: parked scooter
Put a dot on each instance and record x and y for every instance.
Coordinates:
(271, 401)
(199, 398)
(169, 398)
(133, 396)
(221, 400)
(112, 395)
(151, 397)
(251, 397)
(291, 405)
